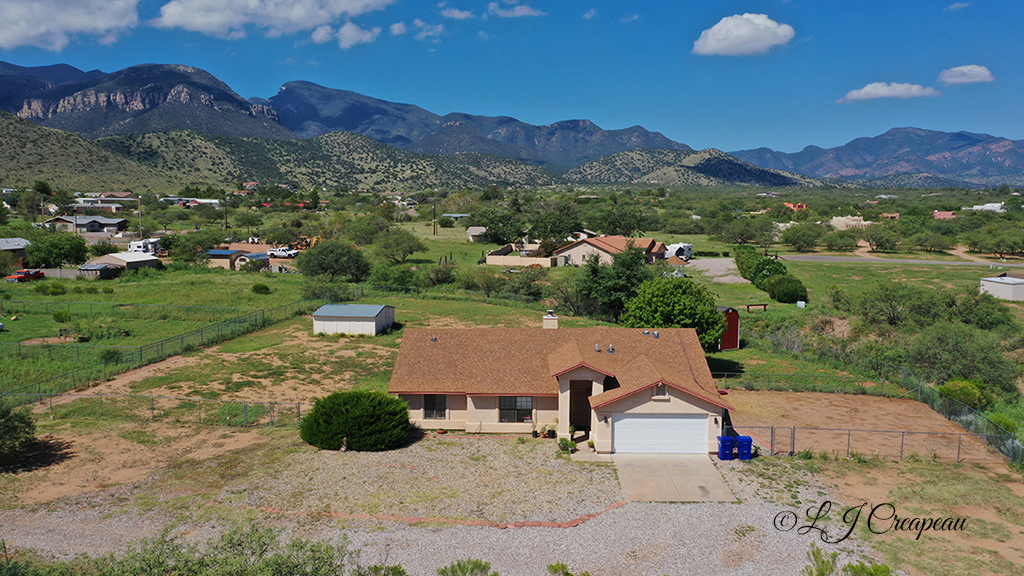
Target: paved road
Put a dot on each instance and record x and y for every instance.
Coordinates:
(860, 260)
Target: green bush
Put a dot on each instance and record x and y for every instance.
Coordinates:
(91, 290)
(260, 288)
(108, 290)
(1004, 422)
(766, 268)
(467, 567)
(17, 432)
(358, 420)
(446, 222)
(58, 290)
(62, 316)
(970, 392)
(785, 289)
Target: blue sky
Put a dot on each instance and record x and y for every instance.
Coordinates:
(711, 74)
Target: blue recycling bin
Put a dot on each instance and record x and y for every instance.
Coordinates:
(725, 447)
(743, 445)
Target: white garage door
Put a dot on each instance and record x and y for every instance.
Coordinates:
(660, 433)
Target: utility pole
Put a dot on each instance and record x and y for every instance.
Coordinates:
(435, 217)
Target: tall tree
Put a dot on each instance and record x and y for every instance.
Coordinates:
(334, 258)
(556, 222)
(57, 250)
(676, 303)
(396, 245)
(503, 225)
(609, 287)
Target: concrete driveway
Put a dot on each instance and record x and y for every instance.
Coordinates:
(671, 478)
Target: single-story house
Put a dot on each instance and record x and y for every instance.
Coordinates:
(225, 258)
(16, 246)
(1004, 288)
(88, 224)
(730, 339)
(605, 246)
(633, 390)
(252, 256)
(943, 214)
(369, 319)
(101, 271)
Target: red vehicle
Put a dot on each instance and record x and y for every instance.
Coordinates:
(25, 276)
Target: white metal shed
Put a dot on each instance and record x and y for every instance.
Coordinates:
(369, 319)
(1004, 288)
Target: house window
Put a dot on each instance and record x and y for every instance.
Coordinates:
(659, 391)
(435, 406)
(515, 409)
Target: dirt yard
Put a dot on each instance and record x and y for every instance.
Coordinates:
(927, 432)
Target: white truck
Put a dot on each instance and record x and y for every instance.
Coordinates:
(282, 252)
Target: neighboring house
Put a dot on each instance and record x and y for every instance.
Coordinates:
(891, 215)
(681, 250)
(252, 256)
(607, 246)
(1004, 287)
(518, 255)
(990, 207)
(633, 390)
(83, 224)
(115, 195)
(943, 215)
(730, 340)
(455, 217)
(795, 207)
(476, 233)
(369, 319)
(225, 258)
(15, 246)
(848, 222)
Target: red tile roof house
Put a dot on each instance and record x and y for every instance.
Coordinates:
(634, 390)
(606, 246)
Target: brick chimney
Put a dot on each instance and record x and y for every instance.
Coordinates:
(550, 320)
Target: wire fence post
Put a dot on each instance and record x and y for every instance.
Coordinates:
(152, 407)
(903, 437)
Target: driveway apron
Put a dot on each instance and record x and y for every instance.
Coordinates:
(671, 478)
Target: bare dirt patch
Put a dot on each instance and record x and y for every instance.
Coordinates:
(927, 432)
(721, 270)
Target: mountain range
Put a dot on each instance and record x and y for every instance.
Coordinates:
(151, 98)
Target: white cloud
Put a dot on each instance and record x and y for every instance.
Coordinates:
(589, 14)
(398, 28)
(484, 36)
(626, 19)
(428, 30)
(956, 6)
(351, 34)
(322, 34)
(229, 18)
(740, 35)
(515, 12)
(965, 75)
(50, 24)
(456, 14)
(889, 90)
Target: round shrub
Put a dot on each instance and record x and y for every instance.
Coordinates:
(785, 289)
(58, 290)
(260, 288)
(969, 392)
(17, 432)
(446, 222)
(764, 269)
(1004, 422)
(359, 420)
(62, 316)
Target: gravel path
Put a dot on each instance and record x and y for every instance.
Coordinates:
(459, 477)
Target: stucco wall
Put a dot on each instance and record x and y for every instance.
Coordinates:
(643, 402)
(520, 261)
(480, 414)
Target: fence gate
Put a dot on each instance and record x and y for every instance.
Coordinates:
(783, 440)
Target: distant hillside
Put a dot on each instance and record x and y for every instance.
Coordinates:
(979, 159)
(682, 168)
(150, 98)
(52, 75)
(308, 109)
(69, 162)
(337, 159)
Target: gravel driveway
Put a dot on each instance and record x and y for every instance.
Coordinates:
(342, 496)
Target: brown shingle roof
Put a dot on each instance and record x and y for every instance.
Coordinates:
(527, 361)
(617, 244)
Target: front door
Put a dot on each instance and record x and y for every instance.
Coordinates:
(579, 403)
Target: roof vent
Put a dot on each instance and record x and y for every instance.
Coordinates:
(597, 347)
(656, 335)
(611, 349)
(433, 338)
(647, 332)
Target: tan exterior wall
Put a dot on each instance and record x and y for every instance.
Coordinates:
(582, 373)
(577, 254)
(520, 261)
(643, 402)
(480, 414)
